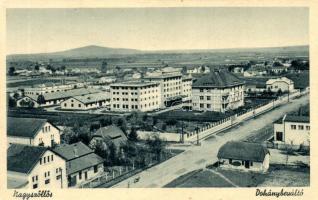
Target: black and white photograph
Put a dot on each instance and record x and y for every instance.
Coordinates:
(157, 97)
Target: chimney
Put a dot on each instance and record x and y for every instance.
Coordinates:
(75, 151)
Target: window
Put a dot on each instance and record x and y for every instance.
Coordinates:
(201, 97)
(95, 169)
(72, 105)
(230, 161)
(40, 161)
(48, 159)
(208, 105)
(251, 163)
(51, 157)
(80, 175)
(201, 90)
(201, 105)
(293, 127)
(35, 186)
(208, 98)
(307, 128)
(58, 177)
(301, 127)
(47, 181)
(79, 105)
(65, 104)
(44, 160)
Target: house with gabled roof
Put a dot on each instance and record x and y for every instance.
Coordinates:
(86, 102)
(244, 156)
(33, 167)
(218, 91)
(82, 164)
(32, 131)
(110, 134)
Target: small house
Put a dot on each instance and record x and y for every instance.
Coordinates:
(110, 134)
(244, 156)
(82, 164)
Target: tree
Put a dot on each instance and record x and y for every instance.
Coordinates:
(63, 68)
(112, 153)
(104, 67)
(11, 71)
(41, 99)
(133, 136)
(156, 146)
(36, 67)
(12, 102)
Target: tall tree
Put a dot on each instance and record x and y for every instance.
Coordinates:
(41, 99)
(11, 71)
(103, 68)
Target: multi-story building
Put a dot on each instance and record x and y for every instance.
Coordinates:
(292, 130)
(218, 91)
(135, 96)
(170, 87)
(32, 167)
(186, 90)
(32, 132)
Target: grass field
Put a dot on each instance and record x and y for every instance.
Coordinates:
(281, 176)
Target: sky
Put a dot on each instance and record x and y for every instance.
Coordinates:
(49, 30)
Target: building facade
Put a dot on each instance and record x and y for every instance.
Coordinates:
(86, 102)
(82, 164)
(170, 87)
(30, 167)
(218, 91)
(135, 96)
(32, 131)
(284, 84)
(244, 156)
(292, 130)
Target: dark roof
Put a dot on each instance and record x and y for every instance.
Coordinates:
(243, 151)
(72, 151)
(22, 158)
(83, 162)
(111, 133)
(24, 127)
(296, 118)
(218, 79)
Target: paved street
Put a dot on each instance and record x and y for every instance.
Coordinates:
(196, 157)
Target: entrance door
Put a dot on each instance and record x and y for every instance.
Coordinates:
(279, 136)
(247, 164)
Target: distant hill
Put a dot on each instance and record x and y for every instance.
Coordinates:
(91, 51)
(94, 51)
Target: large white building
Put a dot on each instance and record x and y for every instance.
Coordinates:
(292, 130)
(32, 131)
(284, 84)
(135, 96)
(31, 167)
(86, 102)
(218, 91)
(170, 87)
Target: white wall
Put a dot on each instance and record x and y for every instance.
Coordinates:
(90, 174)
(47, 136)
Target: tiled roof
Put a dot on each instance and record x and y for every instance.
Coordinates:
(111, 133)
(243, 151)
(83, 162)
(72, 151)
(92, 98)
(134, 83)
(22, 158)
(296, 118)
(65, 94)
(218, 79)
(24, 127)
(283, 79)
